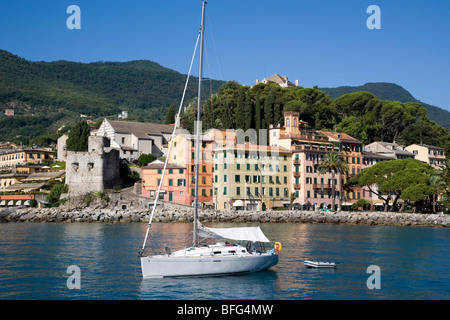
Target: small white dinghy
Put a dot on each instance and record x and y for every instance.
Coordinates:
(319, 264)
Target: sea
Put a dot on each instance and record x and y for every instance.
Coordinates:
(98, 261)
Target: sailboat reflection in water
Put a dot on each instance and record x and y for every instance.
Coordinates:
(247, 255)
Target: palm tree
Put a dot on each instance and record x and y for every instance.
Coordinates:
(439, 186)
(334, 162)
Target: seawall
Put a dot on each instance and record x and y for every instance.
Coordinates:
(168, 212)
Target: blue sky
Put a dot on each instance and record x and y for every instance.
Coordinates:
(319, 42)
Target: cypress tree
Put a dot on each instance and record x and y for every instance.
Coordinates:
(248, 112)
(257, 115)
(240, 109)
(78, 137)
(269, 105)
(170, 115)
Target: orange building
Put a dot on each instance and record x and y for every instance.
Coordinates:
(174, 186)
(179, 180)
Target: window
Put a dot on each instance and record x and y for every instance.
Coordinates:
(181, 171)
(237, 178)
(238, 191)
(170, 171)
(123, 140)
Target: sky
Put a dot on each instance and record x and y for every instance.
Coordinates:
(318, 42)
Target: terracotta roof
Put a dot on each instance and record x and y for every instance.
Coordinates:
(340, 136)
(158, 164)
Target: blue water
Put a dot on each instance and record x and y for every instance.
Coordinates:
(414, 263)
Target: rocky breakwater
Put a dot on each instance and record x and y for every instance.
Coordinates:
(168, 212)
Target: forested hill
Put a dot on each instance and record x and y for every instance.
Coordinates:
(392, 92)
(46, 95)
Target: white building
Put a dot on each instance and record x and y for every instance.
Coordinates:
(136, 138)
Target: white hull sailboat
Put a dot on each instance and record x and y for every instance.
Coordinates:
(217, 259)
(246, 255)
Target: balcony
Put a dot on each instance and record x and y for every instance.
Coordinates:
(297, 186)
(296, 162)
(321, 186)
(297, 174)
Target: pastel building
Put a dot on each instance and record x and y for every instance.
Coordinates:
(434, 156)
(251, 177)
(308, 147)
(15, 157)
(174, 187)
(351, 149)
(389, 149)
(179, 181)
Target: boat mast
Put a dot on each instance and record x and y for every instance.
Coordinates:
(198, 126)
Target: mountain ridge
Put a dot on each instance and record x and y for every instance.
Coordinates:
(393, 92)
(48, 95)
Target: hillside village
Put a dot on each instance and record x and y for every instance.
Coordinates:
(235, 172)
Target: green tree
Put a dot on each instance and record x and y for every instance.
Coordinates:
(170, 115)
(269, 106)
(55, 193)
(78, 137)
(257, 115)
(407, 179)
(335, 162)
(145, 159)
(239, 111)
(438, 184)
(249, 112)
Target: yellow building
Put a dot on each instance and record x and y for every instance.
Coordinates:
(432, 155)
(251, 177)
(16, 157)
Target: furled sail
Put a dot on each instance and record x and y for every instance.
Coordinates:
(241, 233)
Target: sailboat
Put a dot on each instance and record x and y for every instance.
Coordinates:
(247, 254)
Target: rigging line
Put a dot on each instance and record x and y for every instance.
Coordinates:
(214, 43)
(210, 85)
(177, 121)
